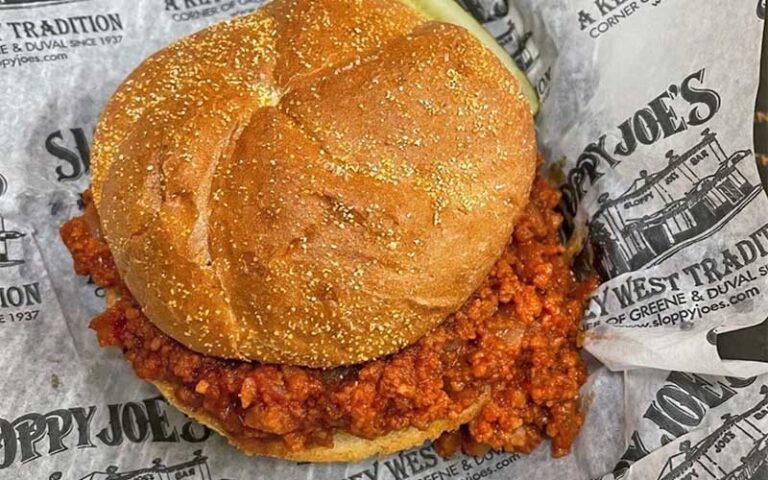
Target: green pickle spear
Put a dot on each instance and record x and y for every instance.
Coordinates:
(449, 11)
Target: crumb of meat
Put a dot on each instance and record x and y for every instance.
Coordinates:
(91, 254)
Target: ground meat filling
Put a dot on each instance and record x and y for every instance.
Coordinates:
(515, 342)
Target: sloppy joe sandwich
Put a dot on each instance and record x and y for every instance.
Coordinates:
(323, 236)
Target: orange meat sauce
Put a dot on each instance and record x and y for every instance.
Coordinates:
(515, 341)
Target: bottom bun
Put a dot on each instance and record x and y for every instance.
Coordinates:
(346, 447)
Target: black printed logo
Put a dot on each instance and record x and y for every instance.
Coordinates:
(12, 4)
(495, 15)
(195, 469)
(678, 407)
(606, 15)
(761, 9)
(185, 10)
(7, 236)
(738, 449)
(32, 436)
(683, 105)
(692, 197)
(486, 10)
(70, 148)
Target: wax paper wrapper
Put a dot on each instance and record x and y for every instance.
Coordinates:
(647, 114)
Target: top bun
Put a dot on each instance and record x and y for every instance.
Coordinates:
(319, 183)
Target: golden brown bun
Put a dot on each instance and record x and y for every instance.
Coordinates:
(346, 447)
(319, 183)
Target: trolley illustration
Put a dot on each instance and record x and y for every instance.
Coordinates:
(735, 451)
(691, 198)
(6, 235)
(195, 469)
